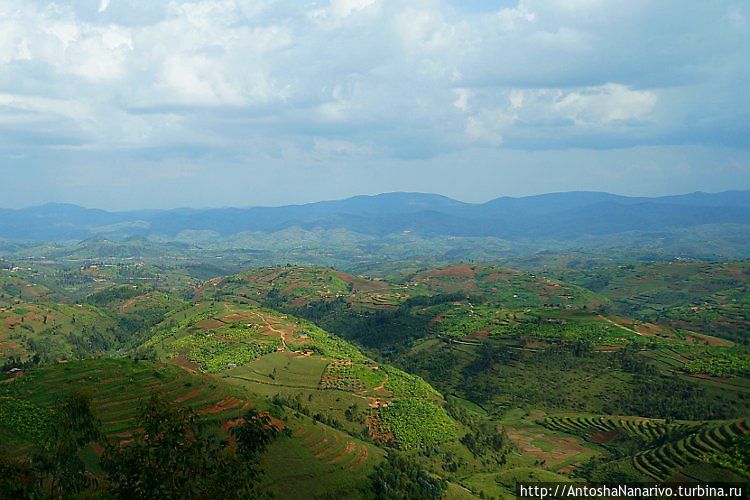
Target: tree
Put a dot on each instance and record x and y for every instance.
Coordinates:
(176, 456)
(400, 478)
(18, 479)
(73, 426)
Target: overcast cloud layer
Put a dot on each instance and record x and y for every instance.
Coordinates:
(129, 104)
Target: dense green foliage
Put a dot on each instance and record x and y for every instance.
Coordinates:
(418, 423)
(18, 479)
(399, 478)
(176, 457)
(737, 456)
(25, 418)
(73, 427)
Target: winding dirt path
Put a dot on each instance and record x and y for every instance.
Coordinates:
(381, 386)
(281, 333)
(620, 326)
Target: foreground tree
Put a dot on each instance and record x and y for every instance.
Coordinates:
(18, 479)
(399, 478)
(177, 456)
(73, 427)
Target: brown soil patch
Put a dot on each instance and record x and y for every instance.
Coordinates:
(323, 440)
(210, 323)
(564, 448)
(275, 422)
(350, 447)
(608, 348)
(331, 441)
(129, 303)
(736, 273)
(185, 364)
(238, 317)
(650, 329)
(226, 404)
(97, 448)
(33, 316)
(460, 271)
(480, 334)
(498, 276)
(363, 454)
(437, 319)
(377, 432)
(570, 468)
(230, 423)
(190, 395)
(604, 437)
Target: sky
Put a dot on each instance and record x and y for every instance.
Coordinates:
(124, 104)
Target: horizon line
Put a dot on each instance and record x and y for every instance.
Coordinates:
(386, 193)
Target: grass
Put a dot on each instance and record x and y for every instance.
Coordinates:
(283, 369)
(319, 464)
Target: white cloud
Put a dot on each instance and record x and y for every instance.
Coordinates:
(605, 104)
(406, 78)
(609, 108)
(339, 12)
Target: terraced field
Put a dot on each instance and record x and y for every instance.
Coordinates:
(317, 461)
(710, 298)
(15, 289)
(670, 447)
(663, 461)
(330, 446)
(117, 389)
(511, 287)
(298, 462)
(605, 428)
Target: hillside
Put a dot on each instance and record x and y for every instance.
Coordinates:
(503, 339)
(481, 374)
(313, 457)
(268, 351)
(706, 297)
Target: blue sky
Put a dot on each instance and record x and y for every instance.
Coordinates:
(130, 104)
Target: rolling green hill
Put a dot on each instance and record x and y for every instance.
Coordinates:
(709, 298)
(260, 348)
(482, 375)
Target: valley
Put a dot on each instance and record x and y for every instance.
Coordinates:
(484, 375)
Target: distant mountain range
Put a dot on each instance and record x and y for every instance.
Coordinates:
(558, 216)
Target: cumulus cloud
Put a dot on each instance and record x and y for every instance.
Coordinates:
(346, 61)
(390, 79)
